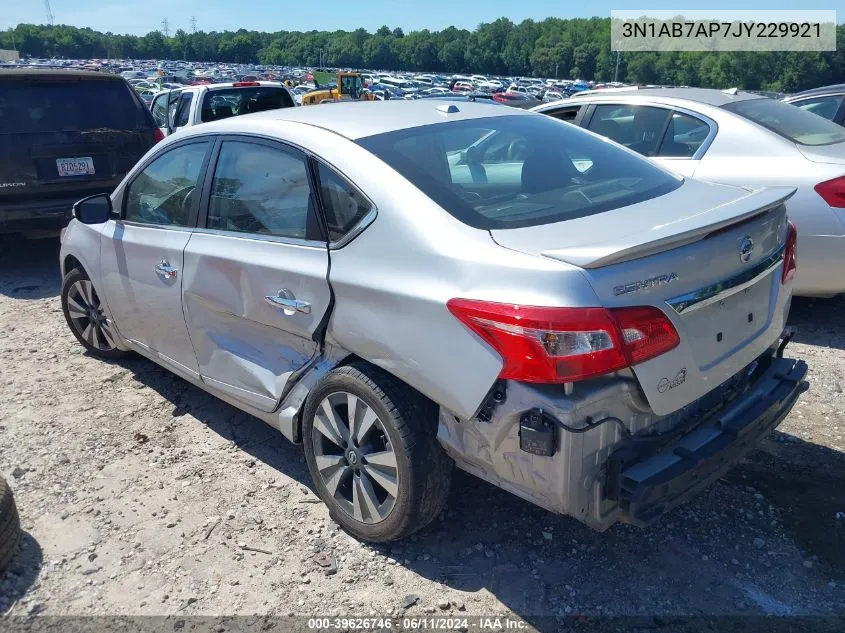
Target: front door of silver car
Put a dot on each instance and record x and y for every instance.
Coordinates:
(142, 254)
(255, 286)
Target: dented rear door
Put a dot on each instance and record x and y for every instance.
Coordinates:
(255, 287)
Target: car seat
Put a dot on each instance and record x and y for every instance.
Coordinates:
(547, 169)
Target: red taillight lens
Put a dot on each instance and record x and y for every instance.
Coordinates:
(646, 332)
(539, 344)
(833, 192)
(158, 135)
(790, 253)
(241, 84)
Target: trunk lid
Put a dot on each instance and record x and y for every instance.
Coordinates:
(833, 153)
(708, 256)
(65, 135)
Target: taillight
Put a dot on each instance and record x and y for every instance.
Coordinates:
(242, 84)
(539, 344)
(790, 253)
(158, 135)
(833, 192)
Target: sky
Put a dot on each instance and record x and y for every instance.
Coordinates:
(142, 16)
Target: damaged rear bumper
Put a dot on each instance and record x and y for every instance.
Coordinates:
(649, 477)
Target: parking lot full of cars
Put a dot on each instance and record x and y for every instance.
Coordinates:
(579, 293)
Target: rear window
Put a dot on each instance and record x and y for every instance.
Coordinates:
(68, 105)
(517, 171)
(795, 124)
(226, 102)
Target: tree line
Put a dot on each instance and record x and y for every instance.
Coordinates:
(554, 47)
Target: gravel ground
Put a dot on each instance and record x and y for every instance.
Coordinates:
(140, 494)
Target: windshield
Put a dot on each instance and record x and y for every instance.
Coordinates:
(226, 102)
(788, 121)
(65, 105)
(351, 85)
(516, 171)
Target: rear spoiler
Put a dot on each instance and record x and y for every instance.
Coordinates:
(664, 237)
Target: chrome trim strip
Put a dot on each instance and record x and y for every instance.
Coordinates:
(357, 229)
(703, 297)
(262, 237)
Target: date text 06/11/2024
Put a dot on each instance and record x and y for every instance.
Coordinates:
(431, 623)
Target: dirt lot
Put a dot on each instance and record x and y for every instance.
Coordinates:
(140, 494)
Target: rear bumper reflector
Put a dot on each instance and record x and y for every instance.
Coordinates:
(649, 487)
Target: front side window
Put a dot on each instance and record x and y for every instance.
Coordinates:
(183, 112)
(159, 110)
(165, 191)
(825, 107)
(261, 189)
(343, 205)
(794, 124)
(555, 171)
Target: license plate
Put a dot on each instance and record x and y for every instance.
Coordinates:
(82, 166)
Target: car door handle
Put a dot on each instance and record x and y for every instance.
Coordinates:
(284, 299)
(165, 270)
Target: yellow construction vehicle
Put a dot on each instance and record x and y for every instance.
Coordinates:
(350, 87)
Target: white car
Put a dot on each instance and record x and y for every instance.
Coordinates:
(736, 138)
(192, 105)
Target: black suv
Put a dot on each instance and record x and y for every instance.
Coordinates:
(64, 135)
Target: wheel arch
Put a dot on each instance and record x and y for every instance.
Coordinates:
(70, 263)
(299, 394)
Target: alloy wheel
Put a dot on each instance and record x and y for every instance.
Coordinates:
(87, 316)
(354, 457)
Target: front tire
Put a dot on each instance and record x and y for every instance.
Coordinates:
(372, 451)
(86, 318)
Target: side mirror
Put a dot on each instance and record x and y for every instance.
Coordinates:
(94, 209)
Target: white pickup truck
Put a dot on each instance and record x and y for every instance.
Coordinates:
(192, 105)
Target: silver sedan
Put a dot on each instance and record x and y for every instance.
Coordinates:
(408, 286)
(741, 139)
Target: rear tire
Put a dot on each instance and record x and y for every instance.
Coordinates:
(10, 526)
(383, 475)
(86, 319)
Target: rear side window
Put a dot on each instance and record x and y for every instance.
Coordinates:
(519, 171)
(261, 189)
(794, 124)
(223, 103)
(683, 137)
(344, 206)
(68, 103)
(569, 113)
(639, 128)
(826, 107)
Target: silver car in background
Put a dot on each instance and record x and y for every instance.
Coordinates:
(406, 287)
(736, 138)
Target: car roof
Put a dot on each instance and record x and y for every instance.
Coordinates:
(373, 117)
(710, 96)
(58, 72)
(822, 90)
